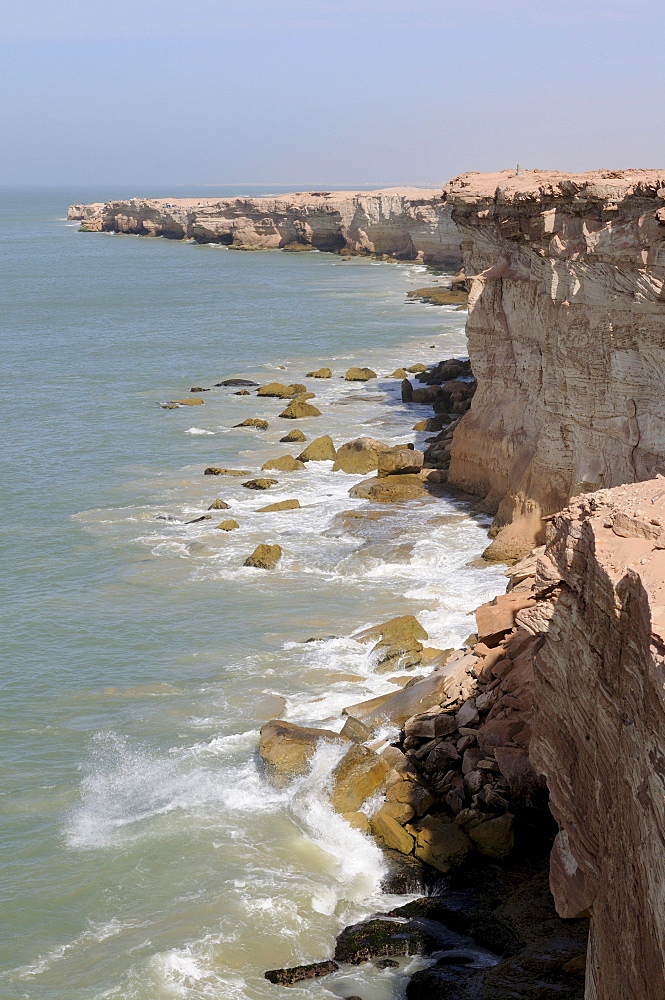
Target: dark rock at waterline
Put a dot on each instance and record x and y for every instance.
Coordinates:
(198, 388)
(195, 520)
(381, 937)
(407, 390)
(406, 874)
(387, 963)
(235, 381)
(285, 977)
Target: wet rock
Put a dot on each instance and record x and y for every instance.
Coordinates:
(198, 388)
(284, 463)
(294, 435)
(419, 367)
(359, 456)
(286, 977)
(264, 557)
(261, 425)
(242, 392)
(259, 484)
(321, 449)
(398, 373)
(359, 374)
(358, 820)
(287, 749)
(396, 642)
(390, 489)
(354, 730)
(442, 845)
(218, 505)
(203, 517)
(186, 402)
(401, 812)
(400, 461)
(280, 505)
(357, 776)
(234, 382)
(406, 875)
(431, 725)
(387, 963)
(214, 470)
(320, 373)
(380, 937)
(278, 390)
(228, 525)
(298, 408)
(406, 390)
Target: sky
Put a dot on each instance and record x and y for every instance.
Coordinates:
(331, 93)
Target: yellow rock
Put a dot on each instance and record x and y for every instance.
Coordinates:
(187, 402)
(320, 373)
(287, 749)
(359, 375)
(284, 463)
(264, 557)
(388, 831)
(357, 776)
(281, 505)
(357, 820)
(442, 845)
(278, 390)
(299, 408)
(228, 525)
(321, 449)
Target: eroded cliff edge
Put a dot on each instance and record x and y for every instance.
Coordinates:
(566, 335)
(407, 223)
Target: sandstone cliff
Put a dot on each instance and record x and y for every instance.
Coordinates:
(408, 223)
(566, 335)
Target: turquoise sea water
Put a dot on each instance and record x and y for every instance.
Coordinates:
(145, 856)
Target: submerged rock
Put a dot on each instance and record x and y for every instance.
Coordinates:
(299, 408)
(321, 449)
(214, 470)
(261, 425)
(264, 556)
(186, 402)
(286, 977)
(398, 373)
(235, 381)
(359, 375)
(284, 463)
(259, 484)
(228, 525)
(280, 505)
(391, 489)
(242, 392)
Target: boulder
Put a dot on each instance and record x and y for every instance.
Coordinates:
(397, 642)
(259, 484)
(419, 367)
(298, 408)
(390, 489)
(381, 936)
(498, 617)
(440, 844)
(386, 829)
(398, 373)
(278, 390)
(198, 388)
(241, 392)
(494, 837)
(321, 449)
(358, 821)
(320, 373)
(280, 505)
(218, 505)
(264, 557)
(284, 463)
(406, 390)
(359, 375)
(294, 435)
(235, 381)
(214, 470)
(357, 776)
(427, 394)
(203, 517)
(400, 461)
(228, 525)
(299, 387)
(299, 973)
(412, 794)
(287, 749)
(359, 456)
(261, 425)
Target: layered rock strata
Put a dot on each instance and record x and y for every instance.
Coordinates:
(406, 223)
(566, 334)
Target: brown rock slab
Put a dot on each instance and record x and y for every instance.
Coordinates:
(498, 617)
(284, 463)
(261, 425)
(391, 833)
(357, 820)
(214, 470)
(357, 776)
(280, 505)
(264, 557)
(259, 484)
(299, 973)
(186, 402)
(287, 749)
(390, 489)
(412, 794)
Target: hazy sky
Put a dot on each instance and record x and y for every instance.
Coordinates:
(325, 92)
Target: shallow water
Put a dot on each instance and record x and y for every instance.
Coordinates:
(146, 857)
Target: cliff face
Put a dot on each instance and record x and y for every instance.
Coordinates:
(599, 728)
(566, 336)
(408, 223)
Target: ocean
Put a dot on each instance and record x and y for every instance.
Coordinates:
(145, 854)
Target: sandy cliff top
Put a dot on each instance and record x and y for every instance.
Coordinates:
(508, 187)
